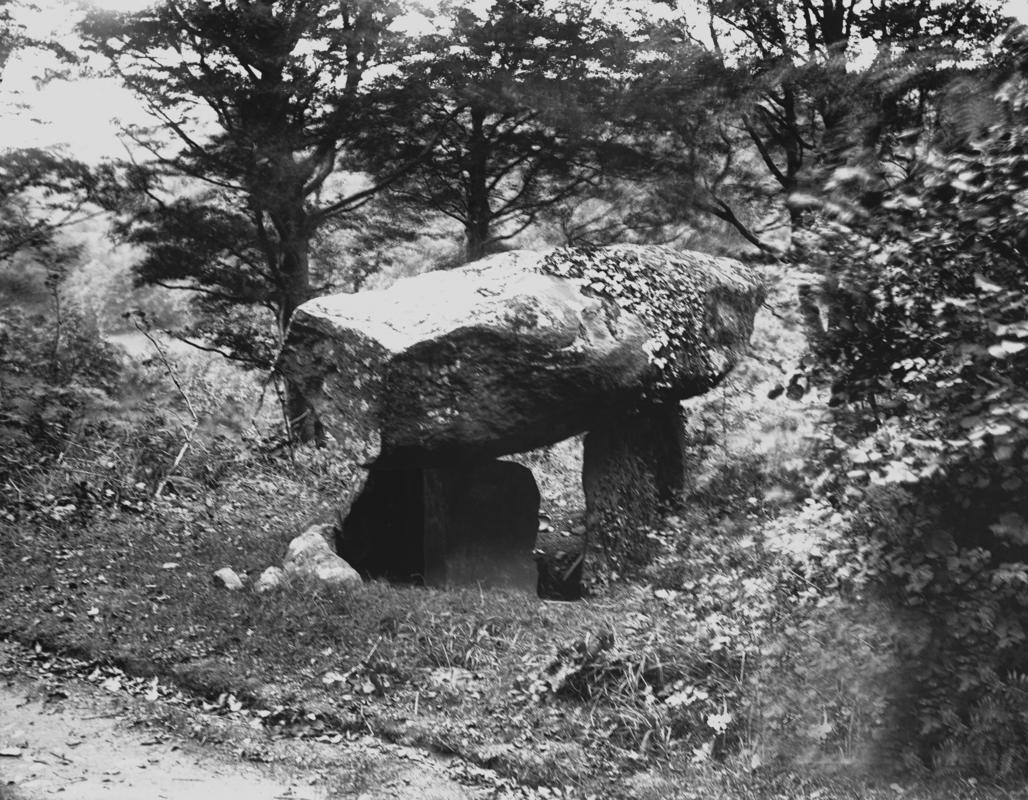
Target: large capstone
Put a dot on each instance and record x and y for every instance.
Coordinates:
(450, 370)
(517, 351)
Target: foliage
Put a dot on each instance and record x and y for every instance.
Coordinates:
(516, 100)
(53, 377)
(85, 430)
(41, 192)
(667, 299)
(927, 355)
(99, 286)
(646, 693)
(682, 116)
(9, 33)
(786, 98)
(260, 100)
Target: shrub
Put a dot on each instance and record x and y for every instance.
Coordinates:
(84, 428)
(927, 356)
(53, 376)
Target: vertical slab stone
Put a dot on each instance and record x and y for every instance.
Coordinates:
(633, 467)
(481, 522)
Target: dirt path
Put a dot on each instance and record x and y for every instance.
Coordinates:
(80, 742)
(85, 752)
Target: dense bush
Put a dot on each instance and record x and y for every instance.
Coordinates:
(926, 352)
(52, 377)
(84, 427)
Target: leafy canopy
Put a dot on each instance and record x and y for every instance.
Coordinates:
(518, 99)
(255, 103)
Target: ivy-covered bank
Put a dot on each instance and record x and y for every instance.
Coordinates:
(926, 358)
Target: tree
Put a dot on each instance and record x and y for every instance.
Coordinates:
(926, 353)
(53, 370)
(260, 98)
(41, 191)
(819, 84)
(683, 113)
(516, 96)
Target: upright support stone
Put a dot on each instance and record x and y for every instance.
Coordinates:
(633, 467)
(481, 521)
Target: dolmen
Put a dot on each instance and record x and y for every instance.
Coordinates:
(425, 385)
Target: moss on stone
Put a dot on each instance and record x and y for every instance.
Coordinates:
(657, 285)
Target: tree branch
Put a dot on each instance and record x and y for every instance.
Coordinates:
(230, 356)
(765, 154)
(359, 198)
(723, 211)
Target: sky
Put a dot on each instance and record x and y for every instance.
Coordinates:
(84, 115)
(81, 115)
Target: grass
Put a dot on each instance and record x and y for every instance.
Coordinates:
(707, 668)
(135, 589)
(729, 668)
(560, 694)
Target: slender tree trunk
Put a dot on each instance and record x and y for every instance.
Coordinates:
(304, 425)
(793, 163)
(479, 218)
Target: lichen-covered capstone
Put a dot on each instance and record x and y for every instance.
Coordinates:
(427, 382)
(518, 350)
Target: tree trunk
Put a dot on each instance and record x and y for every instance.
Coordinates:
(479, 217)
(294, 272)
(793, 163)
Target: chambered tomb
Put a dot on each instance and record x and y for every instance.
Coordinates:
(425, 385)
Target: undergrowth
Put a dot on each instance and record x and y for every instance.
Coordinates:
(764, 636)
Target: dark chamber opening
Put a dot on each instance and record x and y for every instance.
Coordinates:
(465, 525)
(383, 536)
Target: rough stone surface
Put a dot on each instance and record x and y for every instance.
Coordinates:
(633, 466)
(269, 580)
(480, 526)
(227, 578)
(311, 556)
(516, 351)
(425, 382)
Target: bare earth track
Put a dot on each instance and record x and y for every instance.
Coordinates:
(74, 740)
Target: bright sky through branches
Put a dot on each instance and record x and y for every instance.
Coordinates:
(82, 114)
(77, 114)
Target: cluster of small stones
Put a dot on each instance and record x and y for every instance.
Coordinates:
(668, 301)
(310, 556)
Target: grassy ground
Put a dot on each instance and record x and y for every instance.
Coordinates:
(637, 691)
(448, 668)
(734, 666)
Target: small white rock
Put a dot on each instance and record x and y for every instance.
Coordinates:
(310, 555)
(227, 577)
(332, 677)
(269, 580)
